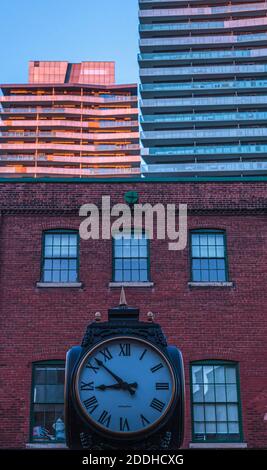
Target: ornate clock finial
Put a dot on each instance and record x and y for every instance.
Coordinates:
(150, 317)
(97, 316)
(123, 300)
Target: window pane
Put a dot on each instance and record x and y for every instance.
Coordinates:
(230, 373)
(195, 251)
(143, 275)
(118, 251)
(219, 372)
(47, 276)
(222, 428)
(220, 251)
(135, 276)
(221, 276)
(232, 412)
(221, 413)
(233, 428)
(73, 276)
(203, 251)
(48, 251)
(210, 413)
(198, 413)
(199, 428)
(118, 276)
(211, 428)
(196, 275)
(198, 393)
(118, 264)
(195, 239)
(48, 240)
(56, 276)
(196, 264)
(231, 393)
(220, 393)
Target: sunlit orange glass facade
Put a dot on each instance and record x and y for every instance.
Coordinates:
(69, 120)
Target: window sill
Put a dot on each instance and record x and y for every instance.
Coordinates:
(210, 284)
(59, 284)
(40, 445)
(218, 445)
(131, 284)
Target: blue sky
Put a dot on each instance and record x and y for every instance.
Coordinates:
(73, 30)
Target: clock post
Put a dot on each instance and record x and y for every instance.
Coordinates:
(124, 386)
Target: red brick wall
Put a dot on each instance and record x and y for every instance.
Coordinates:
(207, 323)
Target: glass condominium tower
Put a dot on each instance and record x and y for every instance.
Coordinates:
(203, 71)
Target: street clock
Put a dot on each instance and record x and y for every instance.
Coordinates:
(124, 386)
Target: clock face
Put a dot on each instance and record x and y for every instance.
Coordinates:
(125, 386)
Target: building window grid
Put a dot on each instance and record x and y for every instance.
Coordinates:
(217, 434)
(131, 258)
(208, 256)
(48, 402)
(60, 256)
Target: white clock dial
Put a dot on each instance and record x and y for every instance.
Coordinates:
(125, 386)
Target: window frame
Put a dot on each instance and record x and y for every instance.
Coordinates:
(219, 362)
(147, 258)
(209, 231)
(48, 363)
(59, 232)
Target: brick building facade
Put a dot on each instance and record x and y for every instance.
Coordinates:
(218, 325)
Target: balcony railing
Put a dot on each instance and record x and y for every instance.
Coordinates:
(72, 135)
(203, 25)
(191, 41)
(232, 101)
(209, 134)
(204, 55)
(248, 69)
(198, 86)
(207, 150)
(73, 111)
(202, 11)
(205, 118)
(208, 168)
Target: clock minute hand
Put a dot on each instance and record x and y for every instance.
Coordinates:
(116, 377)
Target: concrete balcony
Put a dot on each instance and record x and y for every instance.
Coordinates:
(61, 147)
(201, 71)
(67, 98)
(150, 90)
(63, 124)
(72, 160)
(161, 121)
(202, 135)
(19, 171)
(200, 42)
(206, 169)
(187, 57)
(203, 152)
(132, 136)
(213, 102)
(113, 113)
(244, 9)
(174, 29)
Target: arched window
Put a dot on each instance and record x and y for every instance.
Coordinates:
(47, 417)
(216, 410)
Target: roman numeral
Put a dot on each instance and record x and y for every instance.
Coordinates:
(87, 386)
(162, 386)
(157, 404)
(124, 425)
(157, 367)
(142, 355)
(125, 349)
(90, 366)
(106, 354)
(105, 419)
(91, 404)
(145, 421)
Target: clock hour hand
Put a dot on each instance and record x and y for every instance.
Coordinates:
(123, 384)
(115, 386)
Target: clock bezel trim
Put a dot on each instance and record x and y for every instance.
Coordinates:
(121, 434)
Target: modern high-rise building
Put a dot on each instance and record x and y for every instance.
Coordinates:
(69, 120)
(203, 69)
